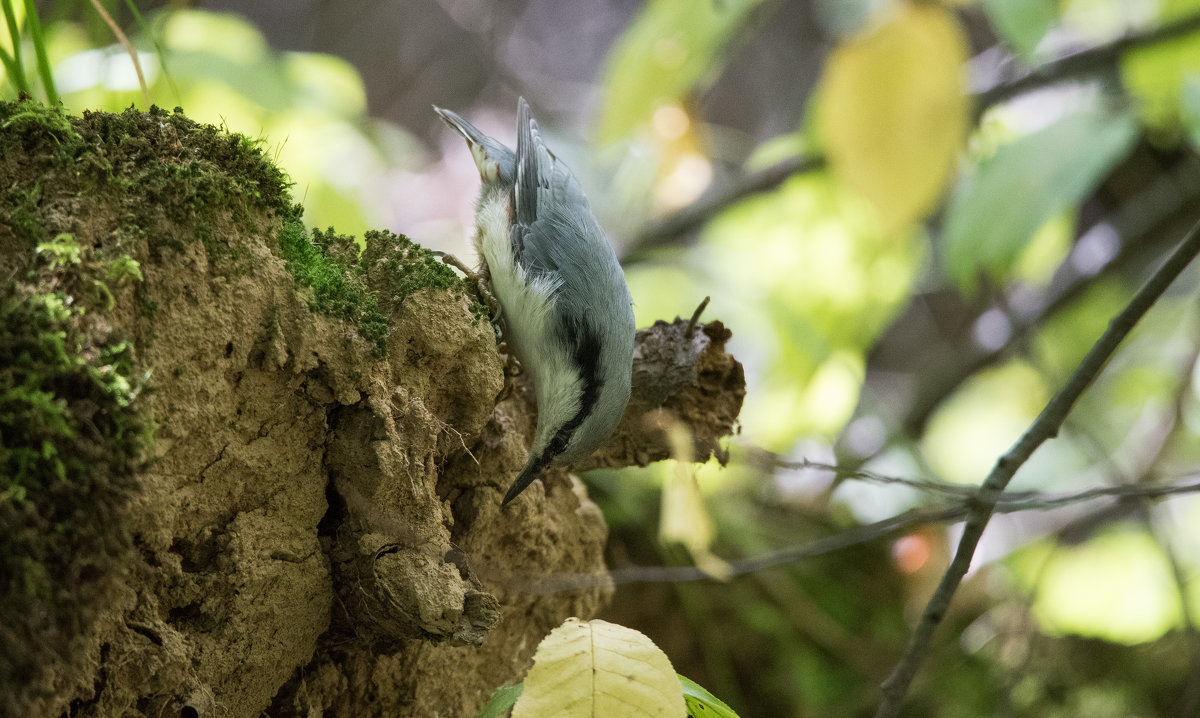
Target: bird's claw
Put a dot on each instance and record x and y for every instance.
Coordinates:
(511, 365)
(481, 279)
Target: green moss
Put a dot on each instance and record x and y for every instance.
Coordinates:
(123, 270)
(72, 437)
(156, 168)
(323, 265)
(160, 166)
(405, 266)
(62, 251)
(397, 267)
(21, 206)
(363, 288)
(39, 122)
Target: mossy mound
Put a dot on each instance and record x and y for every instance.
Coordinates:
(207, 413)
(86, 203)
(249, 469)
(351, 285)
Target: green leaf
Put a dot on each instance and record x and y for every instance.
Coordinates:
(664, 54)
(702, 704)
(503, 699)
(1022, 23)
(594, 668)
(995, 210)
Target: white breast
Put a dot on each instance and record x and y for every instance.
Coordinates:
(528, 320)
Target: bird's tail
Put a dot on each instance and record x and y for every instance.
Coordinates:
(461, 126)
(494, 161)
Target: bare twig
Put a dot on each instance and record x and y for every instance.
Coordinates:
(672, 229)
(1009, 502)
(1095, 59)
(691, 328)
(1044, 427)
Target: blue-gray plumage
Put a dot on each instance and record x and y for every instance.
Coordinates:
(566, 309)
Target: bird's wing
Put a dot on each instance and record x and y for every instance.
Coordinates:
(535, 166)
(543, 230)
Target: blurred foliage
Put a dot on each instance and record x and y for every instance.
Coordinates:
(671, 49)
(1040, 231)
(1157, 75)
(999, 204)
(906, 306)
(309, 108)
(1122, 571)
(1021, 24)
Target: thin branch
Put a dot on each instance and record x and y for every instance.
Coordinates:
(894, 526)
(691, 328)
(1009, 502)
(1044, 427)
(160, 52)
(1095, 59)
(673, 228)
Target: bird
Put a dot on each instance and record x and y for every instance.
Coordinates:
(565, 308)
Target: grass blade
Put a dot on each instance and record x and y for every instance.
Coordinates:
(17, 68)
(39, 47)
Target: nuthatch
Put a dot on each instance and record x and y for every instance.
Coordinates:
(566, 310)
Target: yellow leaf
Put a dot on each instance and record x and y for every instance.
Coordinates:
(585, 669)
(894, 110)
(684, 519)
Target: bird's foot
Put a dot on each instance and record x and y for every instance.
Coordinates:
(481, 280)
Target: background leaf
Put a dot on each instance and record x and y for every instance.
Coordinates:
(1022, 23)
(894, 111)
(701, 703)
(667, 50)
(996, 210)
(502, 699)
